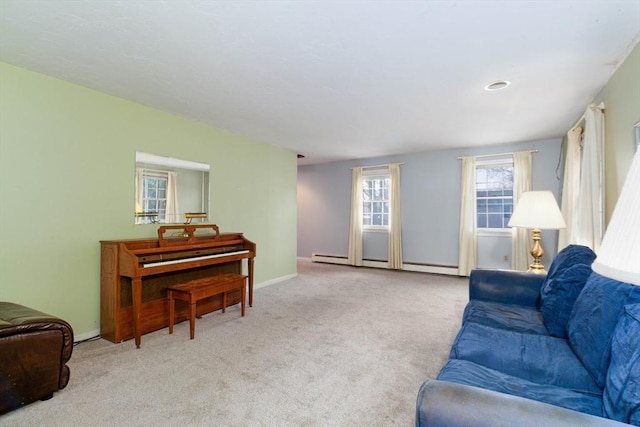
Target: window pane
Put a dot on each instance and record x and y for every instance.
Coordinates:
(494, 221)
(375, 206)
(494, 203)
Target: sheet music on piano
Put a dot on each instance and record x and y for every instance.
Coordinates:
(136, 272)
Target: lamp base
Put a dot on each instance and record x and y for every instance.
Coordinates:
(536, 253)
(537, 269)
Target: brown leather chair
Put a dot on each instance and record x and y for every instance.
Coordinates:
(34, 350)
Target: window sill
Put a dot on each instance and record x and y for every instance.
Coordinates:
(374, 229)
(493, 232)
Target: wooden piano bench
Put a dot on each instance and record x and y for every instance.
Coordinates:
(195, 290)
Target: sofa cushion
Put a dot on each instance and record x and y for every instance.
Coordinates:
(469, 373)
(622, 390)
(505, 316)
(593, 320)
(568, 257)
(558, 296)
(541, 359)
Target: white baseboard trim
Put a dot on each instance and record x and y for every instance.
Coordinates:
(329, 259)
(436, 269)
(86, 335)
(274, 281)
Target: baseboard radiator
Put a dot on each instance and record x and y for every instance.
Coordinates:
(421, 268)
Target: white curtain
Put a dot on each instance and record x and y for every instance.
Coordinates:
(521, 240)
(570, 189)
(139, 189)
(355, 229)
(590, 222)
(172, 212)
(467, 240)
(395, 229)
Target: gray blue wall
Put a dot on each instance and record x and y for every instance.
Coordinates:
(430, 187)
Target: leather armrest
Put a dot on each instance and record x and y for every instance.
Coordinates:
(441, 403)
(16, 319)
(506, 286)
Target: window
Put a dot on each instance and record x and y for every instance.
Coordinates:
(375, 200)
(494, 194)
(154, 193)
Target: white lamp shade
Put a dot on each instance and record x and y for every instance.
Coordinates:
(537, 209)
(619, 254)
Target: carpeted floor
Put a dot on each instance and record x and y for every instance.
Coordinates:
(335, 346)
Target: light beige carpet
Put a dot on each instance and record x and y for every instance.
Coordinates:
(335, 346)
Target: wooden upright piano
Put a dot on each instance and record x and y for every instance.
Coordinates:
(135, 274)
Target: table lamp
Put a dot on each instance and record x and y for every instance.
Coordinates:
(537, 210)
(619, 254)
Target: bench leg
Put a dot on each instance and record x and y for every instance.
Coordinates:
(192, 320)
(171, 311)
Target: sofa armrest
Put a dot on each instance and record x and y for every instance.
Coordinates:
(506, 286)
(34, 350)
(441, 403)
(16, 319)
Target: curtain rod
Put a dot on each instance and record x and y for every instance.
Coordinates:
(499, 154)
(163, 171)
(600, 106)
(376, 166)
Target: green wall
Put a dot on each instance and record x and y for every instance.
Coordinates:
(67, 156)
(621, 96)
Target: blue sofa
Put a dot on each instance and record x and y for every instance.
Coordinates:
(561, 349)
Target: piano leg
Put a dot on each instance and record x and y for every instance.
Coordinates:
(250, 268)
(136, 293)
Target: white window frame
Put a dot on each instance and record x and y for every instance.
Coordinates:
(376, 174)
(158, 175)
(488, 164)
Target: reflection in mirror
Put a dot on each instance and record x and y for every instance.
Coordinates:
(170, 191)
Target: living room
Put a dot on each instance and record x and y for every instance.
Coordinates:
(67, 182)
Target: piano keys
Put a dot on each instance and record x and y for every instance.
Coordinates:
(135, 274)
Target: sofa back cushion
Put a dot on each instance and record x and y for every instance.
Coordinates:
(593, 320)
(559, 294)
(621, 399)
(568, 257)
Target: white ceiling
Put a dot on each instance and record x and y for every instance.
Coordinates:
(337, 80)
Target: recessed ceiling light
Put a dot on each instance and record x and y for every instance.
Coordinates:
(497, 85)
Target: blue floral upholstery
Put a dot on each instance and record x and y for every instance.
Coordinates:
(568, 257)
(593, 320)
(558, 296)
(622, 391)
